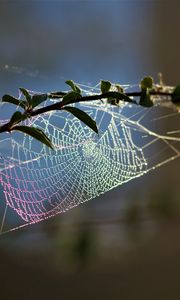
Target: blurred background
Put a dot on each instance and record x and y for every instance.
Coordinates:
(126, 243)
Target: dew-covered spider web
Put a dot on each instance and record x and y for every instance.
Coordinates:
(38, 183)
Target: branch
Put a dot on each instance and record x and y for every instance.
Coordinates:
(113, 96)
(59, 105)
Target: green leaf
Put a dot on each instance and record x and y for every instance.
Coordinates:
(118, 96)
(176, 95)
(145, 99)
(70, 97)
(82, 116)
(36, 133)
(26, 94)
(17, 117)
(147, 83)
(37, 99)
(74, 87)
(12, 100)
(119, 88)
(105, 86)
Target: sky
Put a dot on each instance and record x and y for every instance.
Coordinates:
(44, 43)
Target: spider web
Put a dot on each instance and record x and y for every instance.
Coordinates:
(38, 183)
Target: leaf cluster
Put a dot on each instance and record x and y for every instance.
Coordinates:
(30, 105)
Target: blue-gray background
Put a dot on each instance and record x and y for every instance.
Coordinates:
(87, 40)
(42, 44)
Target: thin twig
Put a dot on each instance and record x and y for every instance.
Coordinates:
(59, 105)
